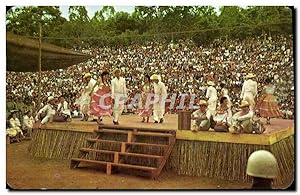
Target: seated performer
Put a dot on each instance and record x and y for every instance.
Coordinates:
(223, 116)
(200, 118)
(63, 111)
(245, 122)
(48, 109)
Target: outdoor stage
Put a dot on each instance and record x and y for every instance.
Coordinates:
(206, 154)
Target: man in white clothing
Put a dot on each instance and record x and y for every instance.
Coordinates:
(242, 121)
(249, 90)
(28, 122)
(63, 109)
(86, 95)
(211, 95)
(160, 93)
(119, 95)
(48, 109)
(15, 125)
(200, 119)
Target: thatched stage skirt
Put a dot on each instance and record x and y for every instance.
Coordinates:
(205, 154)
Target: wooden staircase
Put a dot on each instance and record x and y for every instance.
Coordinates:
(142, 151)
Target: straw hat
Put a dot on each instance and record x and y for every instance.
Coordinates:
(154, 77)
(250, 75)
(86, 75)
(50, 98)
(244, 104)
(117, 70)
(211, 83)
(202, 102)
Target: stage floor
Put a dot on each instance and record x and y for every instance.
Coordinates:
(277, 130)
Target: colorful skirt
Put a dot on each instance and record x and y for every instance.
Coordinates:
(101, 103)
(267, 106)
(144, 109)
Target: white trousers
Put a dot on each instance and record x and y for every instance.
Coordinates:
(158, 112)
(117, 111)
(248, 96)
(212, 106)
(47, 118)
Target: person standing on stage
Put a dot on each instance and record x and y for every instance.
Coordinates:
(145, 109)
(160, 95)
(86, 95)
(101, 100)
(212, 96)
(118, 95)
(267, 105)
(249, 90)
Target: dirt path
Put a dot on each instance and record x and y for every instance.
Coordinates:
(25, 172)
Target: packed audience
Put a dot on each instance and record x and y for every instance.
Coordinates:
(183, 66)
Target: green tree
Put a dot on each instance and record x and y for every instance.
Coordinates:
(26, 20)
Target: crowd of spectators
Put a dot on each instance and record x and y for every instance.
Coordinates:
(183, 66)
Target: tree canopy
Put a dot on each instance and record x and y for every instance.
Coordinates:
(109, 27)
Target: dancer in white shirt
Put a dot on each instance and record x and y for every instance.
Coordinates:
(119, 95)
(249, 90)
(212, 96)
(160, 93)
(85, 99)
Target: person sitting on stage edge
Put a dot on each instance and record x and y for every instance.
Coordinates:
(63, 111)
(223, 116)
(262, 166)
(48, 109)
(200, 118)
(245, 122)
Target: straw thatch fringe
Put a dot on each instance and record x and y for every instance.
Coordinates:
(228, 160)
(56, 144)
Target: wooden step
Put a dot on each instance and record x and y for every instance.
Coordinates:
(89, 161)
(111, 131)
(120, 153)
(98, 151)
(147, 144)
(127, 143)
(154, 134)
(140, 155)
(103, 141)
(139, 167)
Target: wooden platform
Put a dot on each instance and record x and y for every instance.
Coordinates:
(278, 130)
(206, 154)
